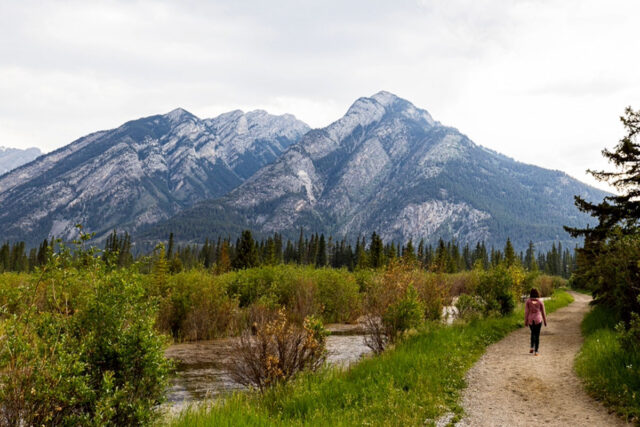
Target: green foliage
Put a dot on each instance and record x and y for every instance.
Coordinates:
(246, 253)
(81, 349)
(609, 362)
(470, 307)
(404, 314)
(197, 307)
(629, 334)
(609, 262)
(500, 288)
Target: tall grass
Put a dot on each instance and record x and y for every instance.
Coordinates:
(413, 384)
(609, 372)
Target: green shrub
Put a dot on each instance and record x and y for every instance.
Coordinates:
(500, 288)
(197, 307)
(405, 314)
(332, 294)
(470, 306)
(629, 335)
(83, 351)
(609, 362)
(338, 295)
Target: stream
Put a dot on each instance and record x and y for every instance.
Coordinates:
(200, 373)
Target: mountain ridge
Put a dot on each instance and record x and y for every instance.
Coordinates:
(140, 172)
(12, 158)
(388, 166)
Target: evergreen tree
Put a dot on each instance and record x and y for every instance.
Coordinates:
(530, 258)
(376, 251)
(321, 259)
(509, 254)
(408, 252)
(623, 210)
(301, 248)
(361, 254)
(246, 252)
(169, 247)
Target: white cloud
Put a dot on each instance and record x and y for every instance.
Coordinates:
(541, 81)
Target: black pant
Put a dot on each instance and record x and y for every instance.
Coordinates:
(535, 335)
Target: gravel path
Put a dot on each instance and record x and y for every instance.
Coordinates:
(510, 387)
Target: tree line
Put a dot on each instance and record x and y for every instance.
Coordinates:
(225, 254)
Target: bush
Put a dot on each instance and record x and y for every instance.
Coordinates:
(83, 351)
(405, 314)
(500, 288)
(197, 307)
(393, 301)
(338, 295)
(470, 306)
(332, 294)
(629, 335)
(464, 282)
(278, 351)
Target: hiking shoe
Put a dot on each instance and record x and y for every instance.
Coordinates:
(530, 350)
(537, 354)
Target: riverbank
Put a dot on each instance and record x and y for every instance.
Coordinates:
(416, 382)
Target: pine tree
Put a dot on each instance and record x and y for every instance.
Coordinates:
(530, 258)
(301, 248)
(623, 210)
(376, 251)
(442, 262)
(321, 259)
(169, 247)
(361, 260)
(408, 252)
(509, 254)
(246, 252)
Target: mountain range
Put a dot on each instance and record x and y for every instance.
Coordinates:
(385, 166)
(11, 158)
(388, 166)
(142, 172)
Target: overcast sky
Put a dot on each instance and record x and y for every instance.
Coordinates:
(541, 81)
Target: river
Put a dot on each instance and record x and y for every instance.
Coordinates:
(200, 373)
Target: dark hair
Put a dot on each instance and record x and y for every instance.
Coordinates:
(534, 293)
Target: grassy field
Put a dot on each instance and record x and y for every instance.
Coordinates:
(413, 384)
(610, 373)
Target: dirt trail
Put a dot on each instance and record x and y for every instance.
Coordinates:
(510, 387)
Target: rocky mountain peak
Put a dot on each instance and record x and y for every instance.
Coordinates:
(179, 115)
(387, 166)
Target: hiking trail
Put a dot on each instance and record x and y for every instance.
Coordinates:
(510, 387)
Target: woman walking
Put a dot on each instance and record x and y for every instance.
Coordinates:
(534, 316)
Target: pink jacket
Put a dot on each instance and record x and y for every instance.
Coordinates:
(534, 312)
